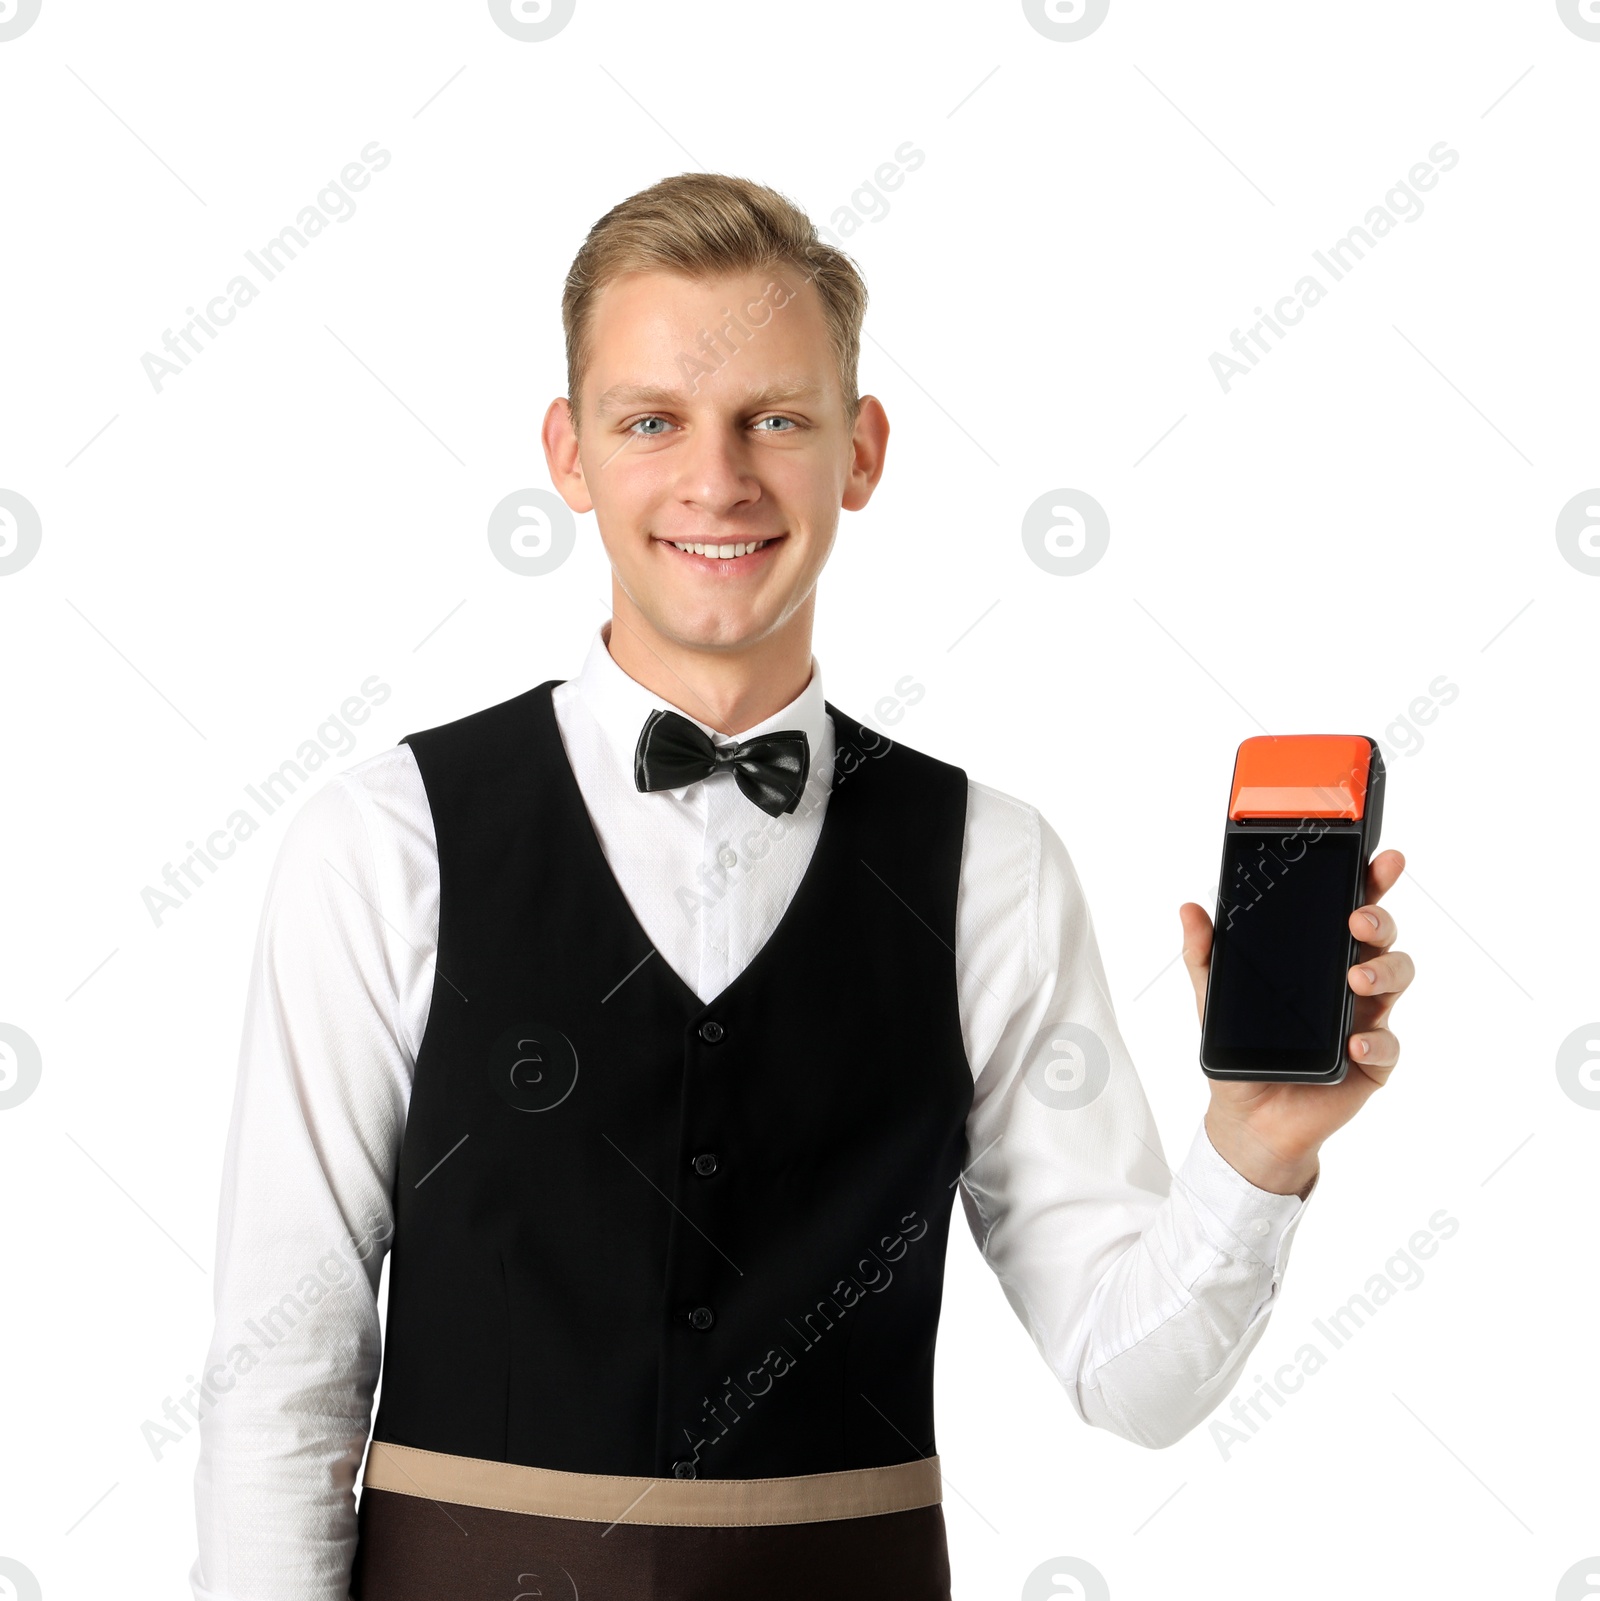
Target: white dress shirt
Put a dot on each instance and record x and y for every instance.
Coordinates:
(1143, 1295)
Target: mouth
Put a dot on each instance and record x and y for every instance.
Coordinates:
(725, 556)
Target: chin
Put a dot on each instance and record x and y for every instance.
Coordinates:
(713, 627)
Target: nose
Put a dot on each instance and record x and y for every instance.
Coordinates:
(714, 471)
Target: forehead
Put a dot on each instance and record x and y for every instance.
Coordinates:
(648, 334)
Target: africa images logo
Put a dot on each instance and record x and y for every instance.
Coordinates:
(1582, 16)
(21, 1066)
(16, 17)
(530, 21)
(1066, 21)
(20, 532)
(533, 1067)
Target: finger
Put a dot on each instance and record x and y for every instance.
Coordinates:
(1197, 935)
(1371, 1011)
(1373, 926)
(1385, 868)
(1375, 1051)
(1388, 974)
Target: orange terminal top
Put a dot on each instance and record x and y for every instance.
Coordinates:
(1301, 775)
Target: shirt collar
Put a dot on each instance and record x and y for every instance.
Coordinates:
(620, 704)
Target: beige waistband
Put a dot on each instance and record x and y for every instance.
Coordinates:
(605, 1498)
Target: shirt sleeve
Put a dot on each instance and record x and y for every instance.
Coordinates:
(305, 1215)
(1144, 1289)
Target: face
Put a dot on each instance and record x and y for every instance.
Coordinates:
(715, 451)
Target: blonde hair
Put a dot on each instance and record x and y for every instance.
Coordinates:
(704, 225)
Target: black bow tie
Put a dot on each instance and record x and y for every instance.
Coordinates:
(770, 769)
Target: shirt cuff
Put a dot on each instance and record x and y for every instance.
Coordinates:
(1245, 1223)
(1235, 1215)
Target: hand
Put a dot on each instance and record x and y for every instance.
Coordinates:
(1271, 1133)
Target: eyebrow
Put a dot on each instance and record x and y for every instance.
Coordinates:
(621, 395)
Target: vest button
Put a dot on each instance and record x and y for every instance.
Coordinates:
(711, 1031)
(683, 1470)
(705, 1164)
(702, 1317)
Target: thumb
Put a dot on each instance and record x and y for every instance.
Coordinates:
(1196, 950)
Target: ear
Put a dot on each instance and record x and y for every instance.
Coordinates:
(868, 446)
(561, 456)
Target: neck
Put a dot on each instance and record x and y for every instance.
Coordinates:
(729, 687)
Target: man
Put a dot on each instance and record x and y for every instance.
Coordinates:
(653, 1018)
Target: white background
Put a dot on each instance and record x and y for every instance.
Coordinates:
(1372, 507)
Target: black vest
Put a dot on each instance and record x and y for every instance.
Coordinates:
(638, 1234)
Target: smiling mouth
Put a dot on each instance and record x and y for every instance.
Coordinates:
(725, 552)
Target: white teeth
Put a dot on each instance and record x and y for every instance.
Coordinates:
(722, 552)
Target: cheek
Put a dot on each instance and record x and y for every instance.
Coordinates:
(807, 488)
(626, 485)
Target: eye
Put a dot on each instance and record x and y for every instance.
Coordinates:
(789, 420)
(639, 423)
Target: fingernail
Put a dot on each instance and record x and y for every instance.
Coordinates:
(1370, 918)
(1361, 1047)
(1369, 975)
